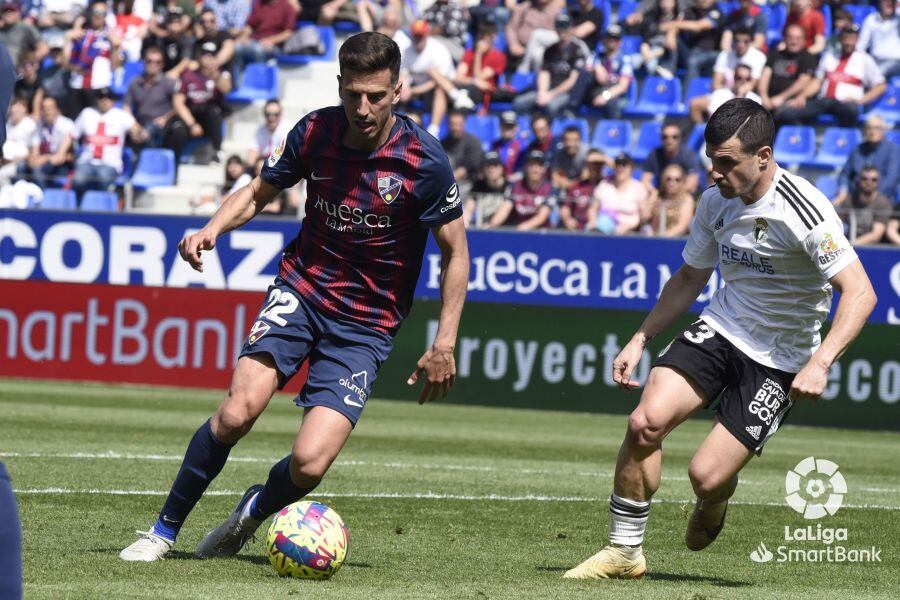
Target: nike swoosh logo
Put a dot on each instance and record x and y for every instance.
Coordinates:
(350, 402)
(314, 178)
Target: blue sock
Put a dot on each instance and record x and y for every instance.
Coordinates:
(203, 460)
(278, 492)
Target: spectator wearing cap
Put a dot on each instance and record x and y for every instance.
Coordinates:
(543, 137)
(50, 155)
(510, 147)
(788, 71)
(605, 87)
(149, 100)
(449, 25)
(842, 85)
(270, 24)
(568, 162)
(699, 36)
(269, 134)
(724, 86)
(464, 151)
(750, 17)
(199, 104)
(812, 21)
(488, 192)
(101, 133)
(671, 209)
(531, 19)
(579, 207)
(877, 151)
(92, 55)
(869, 210)
(620, 202)
(18, 36)
(530, 201)
(425, 57)
(177, 45)
(659, 49)
(476, 78)
(562, 64)
(208, 32)
(231, 15)
(587, 23)
(671, 151)
(880, 37)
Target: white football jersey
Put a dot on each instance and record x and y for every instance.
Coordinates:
(776, 257)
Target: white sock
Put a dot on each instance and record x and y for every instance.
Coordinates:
(628, 520)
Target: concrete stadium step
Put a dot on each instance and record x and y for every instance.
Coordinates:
(171, 200)
(201, 175)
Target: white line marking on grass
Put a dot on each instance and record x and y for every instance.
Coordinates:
(414, 496)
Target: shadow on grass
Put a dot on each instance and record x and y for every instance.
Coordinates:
(250, 558)
(716, 581)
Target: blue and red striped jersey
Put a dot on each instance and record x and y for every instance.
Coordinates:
(361, 244)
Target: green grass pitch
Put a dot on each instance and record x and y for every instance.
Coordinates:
(442, 501)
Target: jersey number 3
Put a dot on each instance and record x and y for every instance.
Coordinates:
(703, 332)
(280, 303)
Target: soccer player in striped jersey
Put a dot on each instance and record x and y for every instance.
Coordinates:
(377, 184)
(756, 348)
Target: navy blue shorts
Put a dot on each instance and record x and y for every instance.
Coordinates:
(10, 541)
(344, 357)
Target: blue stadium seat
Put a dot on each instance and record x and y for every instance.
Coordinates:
(695, 140)
(658, 96)
(612, 136)
(260, 82)
(55, 199)
(347, 27)
(648, 140)
(631, 44)
(122, 77)
(442, 131)
(100, 201)
(500, 41)
(626, 7)
(837, 144)
(828, 185)
(859, 12)
(127, 166)
(522, 82)
(777, 19)
(326, 34)
(155, 167)
(560, 124)
(888, 106)
(826, 12)
(894, 136)
(699, 86)
(485, 127)
(795, 144)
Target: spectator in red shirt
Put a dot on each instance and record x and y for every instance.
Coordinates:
(476, 76)
(200, 104)
(270, 24)
(531, 200)
(813, 23)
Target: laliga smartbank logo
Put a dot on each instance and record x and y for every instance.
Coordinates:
(815, 489)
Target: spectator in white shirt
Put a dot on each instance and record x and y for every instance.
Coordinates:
(51, 145)
(269, 134)
(742, 53)
(425, 54)
(880, 37)
(19, 130)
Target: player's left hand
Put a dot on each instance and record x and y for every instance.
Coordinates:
(439, 368)
(810, 382)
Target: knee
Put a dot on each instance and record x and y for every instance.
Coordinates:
(232, 421)
(642, 432)
(706, 480)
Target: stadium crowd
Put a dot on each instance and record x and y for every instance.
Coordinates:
(534, 101)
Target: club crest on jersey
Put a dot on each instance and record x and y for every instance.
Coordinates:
(276, 156)
(259, 329)
(761, 231)
(389, 188)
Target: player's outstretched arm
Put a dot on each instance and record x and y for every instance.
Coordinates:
(676, 298)
(237, 209)
(437, 365)
(854, 307)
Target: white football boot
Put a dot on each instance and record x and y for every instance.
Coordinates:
(149, 548)
(613, 562)
(228, 538)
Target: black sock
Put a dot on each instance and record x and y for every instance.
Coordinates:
(279, 491)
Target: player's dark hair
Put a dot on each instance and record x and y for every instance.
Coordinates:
(370, 52)
(742, 118)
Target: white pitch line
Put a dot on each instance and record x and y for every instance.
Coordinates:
(417, 496)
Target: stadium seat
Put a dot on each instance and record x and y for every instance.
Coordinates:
(777, 19)
(612, 136)
(561, 124)
(837, 144)
(522, 82)
(485, 127)
(260, 82)
(626, 7)
(442, 131)
(156, 167)
(127, 166)
(347, 27)
(326, 34)
(94, 200)
(631, 44)
(795, 144)
(648, 140)
(699, 86)
(122, 77)
(828, 185)
(695, 140)
(888, 106)
(859, 12)
(55, 199)
(658, 96)
(894, 136)
(826, 12)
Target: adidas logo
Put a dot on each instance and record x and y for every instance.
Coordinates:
(755, 431)
(719, 224)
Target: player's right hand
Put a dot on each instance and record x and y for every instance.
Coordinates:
(627, 359)
(192, 245)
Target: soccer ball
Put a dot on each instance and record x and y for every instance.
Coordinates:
(307, 540)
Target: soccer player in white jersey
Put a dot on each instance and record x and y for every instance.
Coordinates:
(756, 348)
